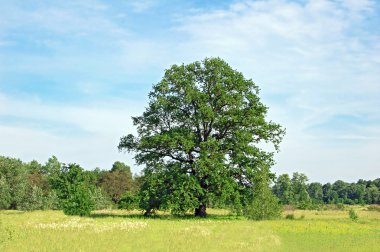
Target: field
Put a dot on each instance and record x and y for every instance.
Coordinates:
(116, 230)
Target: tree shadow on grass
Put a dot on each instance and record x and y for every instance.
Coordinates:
(164, 216)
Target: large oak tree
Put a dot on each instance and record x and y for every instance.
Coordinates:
(199, 137)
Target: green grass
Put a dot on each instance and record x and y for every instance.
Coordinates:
(117, 230)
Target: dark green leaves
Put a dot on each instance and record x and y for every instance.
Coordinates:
(203, 124)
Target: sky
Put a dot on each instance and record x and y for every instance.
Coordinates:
(72, 73)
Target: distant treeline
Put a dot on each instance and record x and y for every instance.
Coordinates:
(296, 191)
(54, 185)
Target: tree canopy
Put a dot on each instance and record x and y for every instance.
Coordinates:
(199, 137)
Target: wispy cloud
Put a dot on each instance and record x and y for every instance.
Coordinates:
(142, 5)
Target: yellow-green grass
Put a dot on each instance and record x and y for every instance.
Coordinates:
(117, 230)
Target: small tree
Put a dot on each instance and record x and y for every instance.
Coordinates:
(73, 191)
(79, 201)
(264, 205)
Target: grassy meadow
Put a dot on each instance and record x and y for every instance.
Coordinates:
(118, 230)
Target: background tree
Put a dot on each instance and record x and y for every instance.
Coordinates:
(315, 192)
(299, 187)
(329, 195)
(5, 193)
(201, 129)
(117, 181)
(341, 188)
(283, 189)
(373, 195)
(13, 176)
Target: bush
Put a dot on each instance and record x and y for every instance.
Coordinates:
(353, 215)
(79, 202)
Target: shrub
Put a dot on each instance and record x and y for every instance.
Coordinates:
(353, 215)
(79, 202)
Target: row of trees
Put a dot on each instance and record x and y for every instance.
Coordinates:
(296, 191)
(54, 185)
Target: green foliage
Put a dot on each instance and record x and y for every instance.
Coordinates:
(264, 205)
(120, 166)
(5, 194)
(52, 167)
(353, 215)
(51, 201)
(117, 181)
(201, 129)
(129, 201)
(100, 199)
(34, 199)
(14, 182)
(283, 189)
(73, 191)
(299, 188)
(151, 191)
(79, 201)
(315, 192)
(373, 195)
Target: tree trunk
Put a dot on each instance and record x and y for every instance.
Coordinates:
(200, 211)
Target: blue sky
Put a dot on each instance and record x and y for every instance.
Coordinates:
(72, 73)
